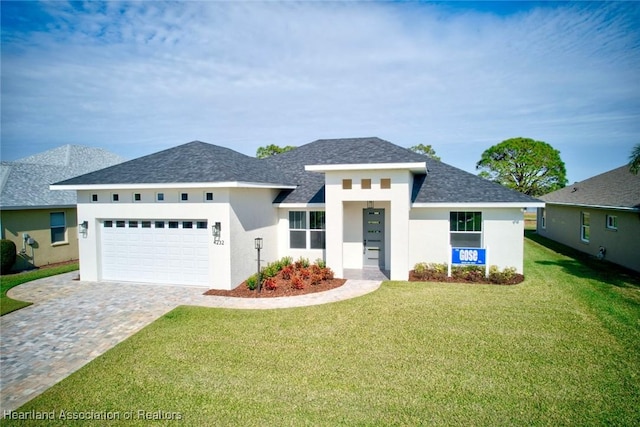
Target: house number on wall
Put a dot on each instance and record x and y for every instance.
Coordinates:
(218, 242)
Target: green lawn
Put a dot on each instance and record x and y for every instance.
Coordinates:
(7, 305)
(562, 348)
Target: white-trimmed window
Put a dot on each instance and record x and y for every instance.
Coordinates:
(115, 197)
(58, 224)
(208, 196)
(317, 231)
(159, 197)
(184, 197)
(297, 230)
(612, 222)
(465, 229)
(307, 230)
(585, 226)
(543, 217)
(94, 197)
(137, 197)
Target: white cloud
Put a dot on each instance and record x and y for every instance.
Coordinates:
(138, 77)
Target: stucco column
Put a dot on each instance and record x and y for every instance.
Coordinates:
(399, 237)
(334, 233)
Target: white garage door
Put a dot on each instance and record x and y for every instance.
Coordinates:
(155, 251)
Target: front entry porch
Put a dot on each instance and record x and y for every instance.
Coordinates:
(366, 274)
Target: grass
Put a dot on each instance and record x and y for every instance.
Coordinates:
(7, 305)
(562, 348)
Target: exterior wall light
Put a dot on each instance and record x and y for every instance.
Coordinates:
(370, 204)
(215, 230)
(83, 227)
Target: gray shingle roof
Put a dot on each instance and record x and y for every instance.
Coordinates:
(188, 163)
(25, 183)
(616, 188)
(442, 184)
(201, 162)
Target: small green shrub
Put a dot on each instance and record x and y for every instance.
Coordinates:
(302, 262)
(252, 282)
(286, 260)
(270, 270)
(507, 275)
(7, 255)
(321, 263)
(471, 273)
(421, 269)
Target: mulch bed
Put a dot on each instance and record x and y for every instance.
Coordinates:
(284, 290)
(517, 278)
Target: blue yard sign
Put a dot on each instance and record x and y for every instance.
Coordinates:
(468, 256)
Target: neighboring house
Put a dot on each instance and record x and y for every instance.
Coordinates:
(41, 222)
(599, 216)
(190, 214)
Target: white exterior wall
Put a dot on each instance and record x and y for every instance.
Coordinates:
(344, 218)
(252, 215)
(229, 263)
(502, 233)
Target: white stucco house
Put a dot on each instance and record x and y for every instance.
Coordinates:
(190, 214)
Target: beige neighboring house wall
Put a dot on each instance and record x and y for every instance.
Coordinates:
(37, 224)
(612, 202)
(622, 245)
(27, 202)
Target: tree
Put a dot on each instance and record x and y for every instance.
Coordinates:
(528, 166)
(634, 160)
(427, 150)
(270, 150)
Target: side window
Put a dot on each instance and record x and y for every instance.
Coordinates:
(585, 226)
(57, 222)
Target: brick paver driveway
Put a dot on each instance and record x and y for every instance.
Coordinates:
(72, 322)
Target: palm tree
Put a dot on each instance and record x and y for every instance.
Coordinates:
(634, 160)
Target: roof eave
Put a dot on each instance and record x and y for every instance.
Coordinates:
(585, 205)
(150, 186)
(416, 167)
(479, 205)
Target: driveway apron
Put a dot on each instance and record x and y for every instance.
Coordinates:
(72, 322)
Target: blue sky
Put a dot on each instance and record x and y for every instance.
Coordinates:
(137, 78)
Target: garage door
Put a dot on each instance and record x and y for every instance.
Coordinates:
(155, 251)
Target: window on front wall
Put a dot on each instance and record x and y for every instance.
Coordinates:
(612, 222)
(58, 225)
(543, 218)
(317, 230)
(298, 230)
(465, 229)
(300, 233)
(585, 226)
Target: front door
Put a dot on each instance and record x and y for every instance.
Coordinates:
(373, 238)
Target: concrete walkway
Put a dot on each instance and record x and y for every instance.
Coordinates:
(72, 322)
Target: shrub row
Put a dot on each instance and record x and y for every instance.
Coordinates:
(300, 273)
(437, 272)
